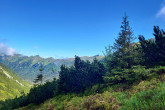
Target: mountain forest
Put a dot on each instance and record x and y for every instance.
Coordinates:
(130, 76)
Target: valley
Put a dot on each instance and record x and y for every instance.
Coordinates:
(28, 67)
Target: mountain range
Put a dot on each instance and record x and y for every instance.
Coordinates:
(27, 67)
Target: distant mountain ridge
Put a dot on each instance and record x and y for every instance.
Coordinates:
(28, 67)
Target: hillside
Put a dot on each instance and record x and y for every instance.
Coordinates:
(144, 95)
(10, 84)
(28, 67)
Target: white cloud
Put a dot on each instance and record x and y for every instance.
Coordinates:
(5, 49)
(161, 12)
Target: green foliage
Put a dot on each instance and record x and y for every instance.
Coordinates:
(108, 60)
(40, 93)
(131, 75)
(147, 94)
(123, 55)
(154, 49)
(39, 78)
(98, 88)
(80, 76)
(121, 64)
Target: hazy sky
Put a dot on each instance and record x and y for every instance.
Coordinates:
(64, 28)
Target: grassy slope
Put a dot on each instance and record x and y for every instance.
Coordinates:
(148, 94)
(9, 88)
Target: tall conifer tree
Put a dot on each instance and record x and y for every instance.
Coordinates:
(123, 45)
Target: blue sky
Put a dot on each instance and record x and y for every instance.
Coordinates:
(64, 28)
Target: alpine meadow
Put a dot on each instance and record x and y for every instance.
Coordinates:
(82, 55)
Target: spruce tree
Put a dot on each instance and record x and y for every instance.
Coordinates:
(40, 76)
(123, 45)
(123, 57)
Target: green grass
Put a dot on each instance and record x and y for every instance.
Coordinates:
(9, 88)
(144, 95)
